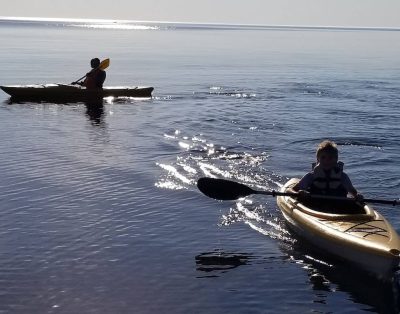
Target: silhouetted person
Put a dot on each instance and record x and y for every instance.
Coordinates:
(96, 77)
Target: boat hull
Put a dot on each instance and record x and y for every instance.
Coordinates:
(365, 239)
(72, 93)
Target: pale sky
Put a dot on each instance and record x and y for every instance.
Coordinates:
(362, 13)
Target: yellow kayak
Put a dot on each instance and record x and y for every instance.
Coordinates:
(363, 236)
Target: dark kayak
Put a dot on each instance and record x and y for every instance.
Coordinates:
(72, 93)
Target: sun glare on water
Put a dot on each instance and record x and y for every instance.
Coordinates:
(117, 26)
(86, 23)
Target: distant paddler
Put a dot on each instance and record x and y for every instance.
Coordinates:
(95, 78)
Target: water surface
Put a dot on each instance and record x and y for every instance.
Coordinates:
(99, 211)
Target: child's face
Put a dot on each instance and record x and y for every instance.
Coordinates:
(327, 161)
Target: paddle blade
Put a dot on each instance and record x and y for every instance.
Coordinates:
(221, 189)
(104, 64)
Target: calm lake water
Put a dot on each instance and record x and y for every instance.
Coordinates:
(99, 208)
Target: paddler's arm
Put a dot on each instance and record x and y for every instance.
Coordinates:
(350, 188)
(293, 189)
(302, 186)
(83, 83)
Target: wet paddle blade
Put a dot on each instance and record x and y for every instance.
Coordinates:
(221, 189)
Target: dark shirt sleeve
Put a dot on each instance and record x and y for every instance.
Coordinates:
(346, 182)
(305, 181)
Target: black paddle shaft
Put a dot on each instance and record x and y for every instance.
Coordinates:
(224, 190)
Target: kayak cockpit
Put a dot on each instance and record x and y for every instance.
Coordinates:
(329, 212)
(332, 210)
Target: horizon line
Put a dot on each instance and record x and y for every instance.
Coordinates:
(99, 20)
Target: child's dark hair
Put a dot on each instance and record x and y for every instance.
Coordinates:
(328, 147)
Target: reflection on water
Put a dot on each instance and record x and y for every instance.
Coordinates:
(95, 113)
(218, 262)
(328, 275)
(94, 110)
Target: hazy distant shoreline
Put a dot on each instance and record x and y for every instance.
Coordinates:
(165, 25)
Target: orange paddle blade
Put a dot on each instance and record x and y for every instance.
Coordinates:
(104, 64)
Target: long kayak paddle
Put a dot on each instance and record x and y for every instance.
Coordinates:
(103, 65)
(222, 189)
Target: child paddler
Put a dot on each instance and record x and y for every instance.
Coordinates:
(327, 176)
